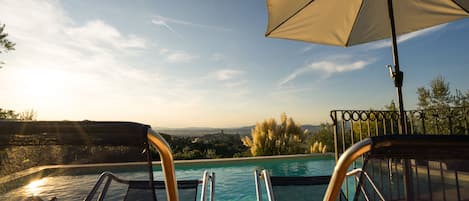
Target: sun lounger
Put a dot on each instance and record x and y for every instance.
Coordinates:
(404, 167)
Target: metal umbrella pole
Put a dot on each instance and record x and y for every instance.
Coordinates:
(398, 77)
(396, 74)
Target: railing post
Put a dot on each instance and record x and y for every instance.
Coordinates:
(333, 116)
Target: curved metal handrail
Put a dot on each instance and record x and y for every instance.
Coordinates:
(344, 162)
(167, 163)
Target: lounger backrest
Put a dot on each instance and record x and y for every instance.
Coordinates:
(140, 190)
(437, 168)
(298, 188)
(27, 144)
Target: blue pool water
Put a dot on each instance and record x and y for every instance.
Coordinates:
(234, 180)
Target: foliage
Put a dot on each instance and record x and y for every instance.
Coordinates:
(318, 147)
(11, 114)
(272, 138)
(325, 136)
(5, 44)
(437, 101)
(217, 145)
(437, 97)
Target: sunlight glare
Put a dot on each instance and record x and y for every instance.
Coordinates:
(42, 86)
(35, 187)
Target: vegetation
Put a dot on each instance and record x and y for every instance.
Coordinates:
(12, 115)
(269, 138)
(5, 44)
(318, 147)
(439, 96)
(324, 137)
(218, 145)
(440, 102)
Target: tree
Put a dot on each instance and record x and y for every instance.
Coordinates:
(439, 104)
(12, 115)
(270, 138)
(5, 44)
(437, 97)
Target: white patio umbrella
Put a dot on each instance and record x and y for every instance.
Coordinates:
(351, 22)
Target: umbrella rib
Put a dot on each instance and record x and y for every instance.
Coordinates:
(283, 22)
(353, 25)
(464, 9)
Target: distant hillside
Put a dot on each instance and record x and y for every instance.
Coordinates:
(199, 131)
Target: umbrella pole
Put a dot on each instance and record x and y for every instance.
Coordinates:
(398, 77)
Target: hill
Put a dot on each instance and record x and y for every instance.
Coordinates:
(200, 131)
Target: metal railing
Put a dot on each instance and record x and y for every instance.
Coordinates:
(352, 126)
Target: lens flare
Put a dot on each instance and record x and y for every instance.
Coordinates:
(35, 187)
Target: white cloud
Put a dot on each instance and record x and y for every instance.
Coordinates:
(338, 64)
(97, 34)
(180, 57)
(161, 22)
(226, 74)
(176, 56)
(405, 37)
(165, 21)
(307, 48)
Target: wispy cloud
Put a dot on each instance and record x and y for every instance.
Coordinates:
(176, 56)
(327, 67)
(405, 37)
(307, 48)
(226, 74)
(166, 21)
(163, 23)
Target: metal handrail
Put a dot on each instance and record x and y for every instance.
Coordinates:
(205, 179)
(340, 170)
(258, 185)
(268, 185)
(167, 164)
(205, 182)
(212, 187)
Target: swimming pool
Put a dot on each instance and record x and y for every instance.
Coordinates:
(234, 179)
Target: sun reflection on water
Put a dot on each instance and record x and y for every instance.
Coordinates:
(35, 187)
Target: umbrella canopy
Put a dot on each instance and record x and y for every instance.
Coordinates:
(352, 22)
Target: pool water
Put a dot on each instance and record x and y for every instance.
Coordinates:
(234, 181)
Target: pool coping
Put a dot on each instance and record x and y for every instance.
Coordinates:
(39, 171)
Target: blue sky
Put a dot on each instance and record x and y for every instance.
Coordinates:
(201, 63)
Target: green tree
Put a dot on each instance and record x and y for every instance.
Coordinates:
(437, 101)
(5, 44)
(437, 97)
(272, 138)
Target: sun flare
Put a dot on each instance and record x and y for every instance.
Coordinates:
(41, 86)
(35, 187)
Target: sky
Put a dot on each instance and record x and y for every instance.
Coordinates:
(202, 63)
